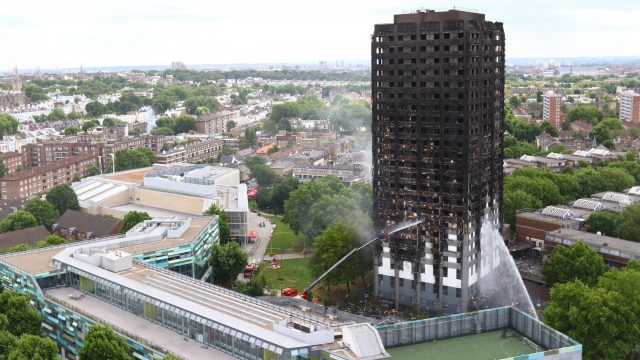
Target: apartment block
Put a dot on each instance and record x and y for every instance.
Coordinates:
(551, 109)
(438, 124)
(630, 108)
(37, 180)
(215, 123)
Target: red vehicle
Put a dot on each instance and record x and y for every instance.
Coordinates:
(251, 193)
(248, 271)
(289, 292)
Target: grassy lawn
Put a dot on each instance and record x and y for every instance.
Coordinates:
(284, 239)
(293, 273)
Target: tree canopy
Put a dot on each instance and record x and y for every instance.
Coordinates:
(133, 218)
(139, 157)
(62, 197)
(227, 262)
(18, 220)
(32, 347)
(102, 343)
(329, 247)
(43, 211)
(259, 169)
(602, 317)
(223, 222)
(577, 262)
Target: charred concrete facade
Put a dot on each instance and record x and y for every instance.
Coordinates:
(438, 121)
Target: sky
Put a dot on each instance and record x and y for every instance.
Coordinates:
(67, 33)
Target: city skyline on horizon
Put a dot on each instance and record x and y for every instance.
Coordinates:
(102, 35)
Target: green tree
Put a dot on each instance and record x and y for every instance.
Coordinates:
(202, 110)
(102, 343)
(35, 93)
(51, 240)
(89, 124)
(3, 168)
(184, 124)
(328, 210)
(43, 211)
(23, 317)
(263, 174)
(517, 200)
(135, 132)
(133, 218)
(626, 223)
(248, 139)
(254, 287)
(209, 102)
(227, 262)
(332, 245)
(600, 320)
(7, 342)
(274, 196)
(601, 221)
(230, 125)
(95, 109)
(577, 262)
(587, 113)
(223, 222)
(162, 131)
(298, 206)
(72, 130)
(74, 115)
(56, 114)
(62, 197)
(111, 122)
(162, 103)
(94, 170)
(32, 347)
(8, 125)
(140, 157)
(18, 220)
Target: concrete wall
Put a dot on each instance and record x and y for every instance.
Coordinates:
(174, 202)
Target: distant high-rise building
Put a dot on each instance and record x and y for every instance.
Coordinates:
(551, 110)
(17, 81)
(438, 122)
(178, 65)
(630, 108)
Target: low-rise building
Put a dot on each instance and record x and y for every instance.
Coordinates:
(12, 161)
(74, 226)
(346, 174)
(37, 180)
(215, 123)
(176, 190)
(616, 252)
(190, 153)
(29, 236)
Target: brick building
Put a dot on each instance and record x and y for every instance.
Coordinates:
(630, 108)
(74, 225)
(215, 123)
(191, 153)
(36, 180)
(551, 109)
(12, 161)
(43, 153)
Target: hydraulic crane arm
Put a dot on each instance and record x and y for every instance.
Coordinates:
(384, 233)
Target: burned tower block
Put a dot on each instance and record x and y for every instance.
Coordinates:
(438, 120)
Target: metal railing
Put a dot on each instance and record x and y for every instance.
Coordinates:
(124, 333)
(234, 294)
